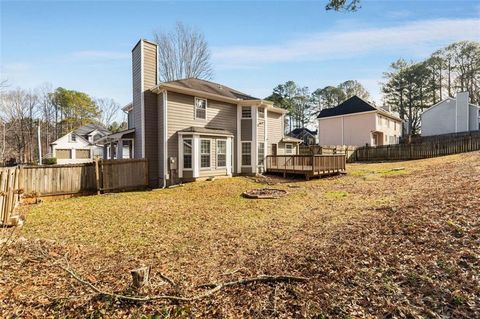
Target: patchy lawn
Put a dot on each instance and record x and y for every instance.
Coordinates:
(387, 240)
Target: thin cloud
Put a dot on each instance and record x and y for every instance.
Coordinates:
(410, 37)
(103, 55)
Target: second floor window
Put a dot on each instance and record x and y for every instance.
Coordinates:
(261, 113)
(200, 108)
(246, 112)
(73, 138)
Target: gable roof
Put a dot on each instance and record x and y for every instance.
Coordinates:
(353, 105)
(350, 106)
(89, 128)
(210, 87)
(301, 130)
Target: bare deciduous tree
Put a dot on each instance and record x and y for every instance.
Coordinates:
(108, 110)
(183, 53)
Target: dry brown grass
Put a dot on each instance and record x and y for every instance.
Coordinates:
(377, 242)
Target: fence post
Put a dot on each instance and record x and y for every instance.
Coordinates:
(97, 175)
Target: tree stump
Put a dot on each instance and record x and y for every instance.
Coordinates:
(140, 277)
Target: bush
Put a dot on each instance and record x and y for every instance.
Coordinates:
(49, 161)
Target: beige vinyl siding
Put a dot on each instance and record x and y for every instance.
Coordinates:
(274, 130)
(136, 101)
(150, 65)
(180, 112)
(261, 130)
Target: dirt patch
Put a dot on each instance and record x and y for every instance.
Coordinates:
(265, 193)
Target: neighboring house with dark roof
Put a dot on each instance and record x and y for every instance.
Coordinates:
(452, 115)
(192, 129)
(308, 137)
(358, 122)
(80, 145)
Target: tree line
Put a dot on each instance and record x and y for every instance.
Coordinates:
(303, 106)
(411, 87)
(55, 112)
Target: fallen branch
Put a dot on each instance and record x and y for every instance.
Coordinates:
(215, 287)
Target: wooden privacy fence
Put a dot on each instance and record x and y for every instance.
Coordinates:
(437, 147)
(74, 179)
(9, 193)
(115, 175)
(308, 165)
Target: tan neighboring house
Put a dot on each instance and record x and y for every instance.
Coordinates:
(193, 129)
(357, 122)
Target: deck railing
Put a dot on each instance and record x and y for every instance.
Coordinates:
(309, 165)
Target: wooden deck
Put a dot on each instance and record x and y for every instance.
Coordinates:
(308, 165)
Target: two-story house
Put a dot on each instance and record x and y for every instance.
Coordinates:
(358, 122)
(191, 129)
(79, 146)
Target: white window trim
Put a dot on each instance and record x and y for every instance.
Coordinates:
(195, 109)
(191, 154)
(241, 157)
(246, 118)
(200, 154)
(216, 152)
(70, 138)
(291, 144)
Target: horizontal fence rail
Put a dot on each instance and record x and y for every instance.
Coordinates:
(308, 165)
(431, 147)
(347, 150)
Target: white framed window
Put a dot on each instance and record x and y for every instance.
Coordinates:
(221, 153)
(289, 149)
(379, 120)
(246, 112)
(73, 137)
(261, 153)
(246, 153)
(388, 123)
(200, 108)
(261, 113)
(187, 153)
(205, 153)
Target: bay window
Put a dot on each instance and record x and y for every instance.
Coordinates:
(187, 153)
(205, 153)
(221, 153)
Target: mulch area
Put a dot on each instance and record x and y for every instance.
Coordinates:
(417, 258)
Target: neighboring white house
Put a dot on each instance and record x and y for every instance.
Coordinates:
(358, 122)
(452, 115)
(79, 146)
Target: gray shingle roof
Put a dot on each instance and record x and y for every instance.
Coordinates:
(211, 87)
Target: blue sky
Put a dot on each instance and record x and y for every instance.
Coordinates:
(86, 45)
